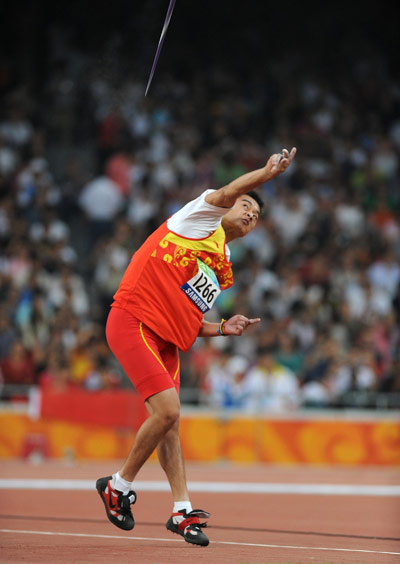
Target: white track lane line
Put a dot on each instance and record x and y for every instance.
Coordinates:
(213, 487)
(155, 539)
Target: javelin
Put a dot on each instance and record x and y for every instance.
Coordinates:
(160, 43)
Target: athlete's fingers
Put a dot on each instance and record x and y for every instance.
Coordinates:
(276, 159)
(241, 323)
(287, 157)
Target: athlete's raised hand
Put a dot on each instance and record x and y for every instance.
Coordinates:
(279, 162)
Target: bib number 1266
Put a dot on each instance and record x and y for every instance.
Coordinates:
(203, 289)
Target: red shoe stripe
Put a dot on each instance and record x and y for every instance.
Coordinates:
(111, 506)
(188, 521)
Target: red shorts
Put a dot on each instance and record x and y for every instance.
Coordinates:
(151, 364)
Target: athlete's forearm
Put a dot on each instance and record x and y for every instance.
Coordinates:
(226, 197)
(235, 325)
(209, 329)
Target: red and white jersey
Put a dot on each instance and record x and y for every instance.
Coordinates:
(178, 272)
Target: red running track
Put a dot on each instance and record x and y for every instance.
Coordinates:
(70, 527)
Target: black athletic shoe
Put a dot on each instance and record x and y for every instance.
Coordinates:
(189, 527)
(118, 506)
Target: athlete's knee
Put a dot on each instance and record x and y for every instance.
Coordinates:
(175, 427)
(166, 407)
(169, 416)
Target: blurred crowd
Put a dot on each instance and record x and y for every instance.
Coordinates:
(90, 167)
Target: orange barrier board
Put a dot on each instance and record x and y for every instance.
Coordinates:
(210, 438)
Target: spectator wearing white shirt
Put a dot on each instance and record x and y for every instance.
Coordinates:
(385, 273)
(17, 129)
(270, 386)
(101, 201)
(290, 218)
(9, 158)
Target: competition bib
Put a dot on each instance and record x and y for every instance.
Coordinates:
(203, 289)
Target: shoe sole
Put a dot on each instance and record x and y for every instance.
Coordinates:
(111, 518)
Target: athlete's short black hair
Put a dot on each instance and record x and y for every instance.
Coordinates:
(253, 194)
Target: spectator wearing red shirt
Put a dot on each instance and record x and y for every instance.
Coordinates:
(17, 367)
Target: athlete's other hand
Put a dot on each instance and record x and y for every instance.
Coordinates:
(237, 324)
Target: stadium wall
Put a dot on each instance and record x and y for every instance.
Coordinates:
(101, 425)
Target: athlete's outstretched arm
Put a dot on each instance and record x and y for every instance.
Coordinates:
(226, 196)
(235, 325)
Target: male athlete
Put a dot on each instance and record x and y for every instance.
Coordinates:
(171, 281)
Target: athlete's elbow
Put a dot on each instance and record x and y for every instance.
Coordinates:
(221, 198)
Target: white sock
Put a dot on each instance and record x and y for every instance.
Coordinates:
(120, 484)
(179, 506)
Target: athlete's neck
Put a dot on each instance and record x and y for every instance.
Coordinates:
(230, 231)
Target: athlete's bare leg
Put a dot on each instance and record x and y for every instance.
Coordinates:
(164, 410)
(169, 453)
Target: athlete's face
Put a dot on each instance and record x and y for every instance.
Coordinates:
(242, 218)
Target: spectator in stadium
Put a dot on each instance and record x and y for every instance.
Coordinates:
(101, 200)
(171, 281)
(8, 334)
(18, 366)
(225, 381)
(270, 386)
